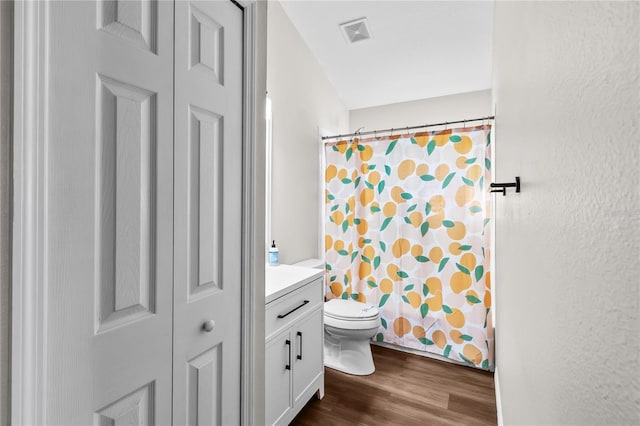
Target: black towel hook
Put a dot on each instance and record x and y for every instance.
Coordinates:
(502, 187)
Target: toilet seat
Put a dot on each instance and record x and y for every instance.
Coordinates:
(351, 315)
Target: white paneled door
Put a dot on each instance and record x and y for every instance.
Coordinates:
(142, 216)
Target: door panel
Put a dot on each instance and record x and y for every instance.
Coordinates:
(108, 224)
(308, 352)
(208, 189)
(278, 356)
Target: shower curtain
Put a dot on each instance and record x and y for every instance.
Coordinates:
(408, 230)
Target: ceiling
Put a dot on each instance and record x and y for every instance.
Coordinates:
(419, 49)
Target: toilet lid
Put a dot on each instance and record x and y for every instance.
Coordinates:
(349, 309)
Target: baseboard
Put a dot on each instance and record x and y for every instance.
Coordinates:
(420, 353)
(496, 380)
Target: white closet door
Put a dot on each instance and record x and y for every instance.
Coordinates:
(108, 220)
(208, 209)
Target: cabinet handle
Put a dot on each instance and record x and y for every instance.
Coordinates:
(300, 335)
(294, 309)
(288, 366)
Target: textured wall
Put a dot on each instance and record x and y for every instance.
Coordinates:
(303, 100)
(566, 87)
(6, 82)
(425, 111)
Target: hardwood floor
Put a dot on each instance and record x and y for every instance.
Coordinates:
(406, 390)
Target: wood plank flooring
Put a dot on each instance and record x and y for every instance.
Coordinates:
(406, 390)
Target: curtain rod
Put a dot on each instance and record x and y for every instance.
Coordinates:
(407, 128)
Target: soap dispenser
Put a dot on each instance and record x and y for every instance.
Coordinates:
(274, 254)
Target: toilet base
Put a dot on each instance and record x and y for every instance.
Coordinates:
(351, 356)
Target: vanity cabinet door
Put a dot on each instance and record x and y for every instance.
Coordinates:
(307, 353)
(279, 356)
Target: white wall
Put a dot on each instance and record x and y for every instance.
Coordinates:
(6, 82)
(566, 87)
(425, 111)
(303, 100)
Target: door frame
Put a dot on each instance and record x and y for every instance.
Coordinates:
(29, 282)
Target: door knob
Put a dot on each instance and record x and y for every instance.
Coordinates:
(208, 325)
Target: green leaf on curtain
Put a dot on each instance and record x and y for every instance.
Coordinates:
(386, 223)
(402, 274)
(387, 170)
(485, 364)
(431, 146)
(455, 138)
(335, 148)
(406, 300)
(331, 197)
(406, 196)
(448, 224)
(376, 262)
(407, 220)
(424, 310)
(475, 209)
(464, 248)
(412, 208)
(409, 287)
(425, 341)
(424, 228)
(427, 208)
(463, 269)
(390, 148)
(372, 284)
(467, 360)
(487, 163)
(383, 300)
(471, 160)
(356, 221)
(442, 263)
(447, 350)
(334, 208)
(345, 296)
(466, 181)
(383, 321)
(347, 208)
(371, 166)
(345, 225)
(349, 153)
(354, 296)
(356, 182)
(375, 209)
(448, 179)
(365, 259)
(446, 309)
(383, 246)
(333, 278)
(369, 185)
(353, 256)
(414, 141)
(380, 187)
(367, 241)
(427, 178)
(379, 337)
(346, 280)
(486, 317)
(487, 220)
(472, 299)
(327, 266)
(343, 252)
(360, 147)
(425, 290)
(479, 272)
(422, 259)
(346, 181)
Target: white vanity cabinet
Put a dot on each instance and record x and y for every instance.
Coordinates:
(294, 332)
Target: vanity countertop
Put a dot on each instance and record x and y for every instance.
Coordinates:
(283, 279)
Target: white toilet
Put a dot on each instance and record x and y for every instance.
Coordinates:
(348, 328)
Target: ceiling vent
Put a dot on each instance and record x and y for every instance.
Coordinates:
(356, 30)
